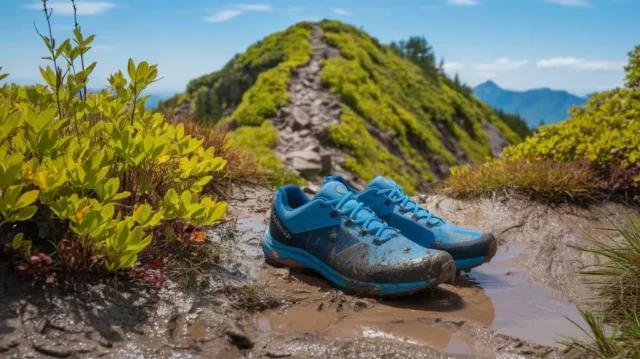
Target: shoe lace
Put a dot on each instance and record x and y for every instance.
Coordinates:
(396, 195)
(369, 222)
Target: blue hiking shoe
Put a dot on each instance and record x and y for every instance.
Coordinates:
(336, 236)
(468, 248)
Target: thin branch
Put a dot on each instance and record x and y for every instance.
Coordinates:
(75, 20)
(52, 49)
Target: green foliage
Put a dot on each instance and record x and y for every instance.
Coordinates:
(260, 140)
(515, 122)
(389, 92)
(603, 131)
(102, 168)
(254, 83)
(418, 50)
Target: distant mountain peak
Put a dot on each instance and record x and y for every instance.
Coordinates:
(488, 84)
(535, 105)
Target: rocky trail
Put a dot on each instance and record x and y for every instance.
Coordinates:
(512, 307)
(304, 125)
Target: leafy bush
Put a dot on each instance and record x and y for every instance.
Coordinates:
(99, 171)
(542, 179)
(603, 131)
(602, 135)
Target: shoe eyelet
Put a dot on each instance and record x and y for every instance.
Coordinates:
(348, 222)
(363, 232)
(377, 241)
(334, 214)
(387, 201)
(414, 217)
(402, 210)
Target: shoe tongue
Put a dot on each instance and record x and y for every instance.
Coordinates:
(335, 190)
(382, 182)
(332, 190)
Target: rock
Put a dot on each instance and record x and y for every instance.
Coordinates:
(325, 161)
(311, 188)
(300, 119)
(306, 155)
(313, 147)
(285, 112)
(304, 133)
(306, 168)
(238, 337)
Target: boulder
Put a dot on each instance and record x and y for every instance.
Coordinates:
(306, 168)
(300, 119)
(310, 156)
(325, 162)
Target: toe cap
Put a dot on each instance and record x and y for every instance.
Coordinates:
(474, 248)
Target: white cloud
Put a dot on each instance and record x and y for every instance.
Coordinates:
(580, 64)
(254, 7)
(61, 7)
(501, 64)
(462, 2)
(237, 10)
(572, 3)
(222, 16)
(341, 11)
(451, 66)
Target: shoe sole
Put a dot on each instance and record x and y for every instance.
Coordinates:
(469, 263)
(278, 254)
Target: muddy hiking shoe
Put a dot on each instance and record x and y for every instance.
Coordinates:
(335, 235)
(469, 248)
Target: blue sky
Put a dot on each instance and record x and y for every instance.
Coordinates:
(577, 45)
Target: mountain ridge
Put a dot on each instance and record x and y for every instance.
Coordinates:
(534, 105)
(342, 102)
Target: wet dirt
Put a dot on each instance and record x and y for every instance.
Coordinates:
(246, 308)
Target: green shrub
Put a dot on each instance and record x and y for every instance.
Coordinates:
(603, 131)
(100, 171)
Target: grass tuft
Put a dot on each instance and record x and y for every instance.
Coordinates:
(617, 285)
(540, 179)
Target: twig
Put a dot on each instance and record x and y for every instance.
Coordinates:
(75, 20)
(52, 49)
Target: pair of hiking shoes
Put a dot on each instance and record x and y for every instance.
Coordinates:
(374, 242)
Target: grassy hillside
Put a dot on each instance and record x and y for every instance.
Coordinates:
(426, 120)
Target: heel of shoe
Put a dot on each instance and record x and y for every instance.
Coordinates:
(278, 258)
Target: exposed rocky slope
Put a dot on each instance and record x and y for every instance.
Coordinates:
(327, 97)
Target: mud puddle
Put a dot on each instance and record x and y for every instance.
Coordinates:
(497, 296)
(497, 300)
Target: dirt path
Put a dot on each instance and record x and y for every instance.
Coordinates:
(303, 126)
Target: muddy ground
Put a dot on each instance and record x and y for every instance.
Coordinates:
(513, 307)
